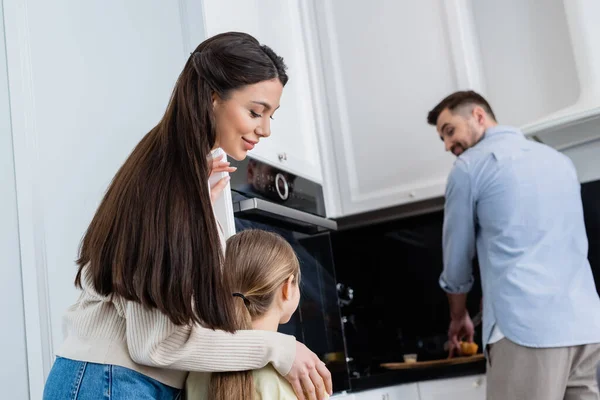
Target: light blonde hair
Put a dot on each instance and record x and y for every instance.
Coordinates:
(257, 263)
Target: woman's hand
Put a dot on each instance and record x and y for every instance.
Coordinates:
(219, 166)
(309, 376)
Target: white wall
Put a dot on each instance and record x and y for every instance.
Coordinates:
(87, 80)
(13, 373)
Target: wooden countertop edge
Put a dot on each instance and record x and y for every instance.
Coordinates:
(434, 363)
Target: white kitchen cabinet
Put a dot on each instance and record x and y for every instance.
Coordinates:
(550, 70)
(553, 63)
(343, 396)
(385, 65)
(280, 25)
(87, 80)
(399, 392)
(465, 388)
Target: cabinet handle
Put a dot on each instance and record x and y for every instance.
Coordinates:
(282, 156)
(478, 382)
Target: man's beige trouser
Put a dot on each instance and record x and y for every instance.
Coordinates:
(522, 373)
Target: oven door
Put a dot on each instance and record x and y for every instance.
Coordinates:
(317, 322)
(275, 214)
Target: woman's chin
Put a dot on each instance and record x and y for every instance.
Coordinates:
(237, 155)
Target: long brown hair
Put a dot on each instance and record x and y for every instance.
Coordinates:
(257, 263)
(154, 237)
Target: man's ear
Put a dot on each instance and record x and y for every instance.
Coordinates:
(479, 114)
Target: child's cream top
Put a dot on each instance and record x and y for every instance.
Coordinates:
(268, 385)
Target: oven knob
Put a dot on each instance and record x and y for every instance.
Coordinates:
(283, 191)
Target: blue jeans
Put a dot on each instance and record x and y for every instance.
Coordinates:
(78, 380)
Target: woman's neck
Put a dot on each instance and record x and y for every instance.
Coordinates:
(267, 322)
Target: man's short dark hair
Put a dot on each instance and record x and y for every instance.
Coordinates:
(459, 99)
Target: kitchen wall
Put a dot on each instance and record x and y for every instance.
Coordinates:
(87, 80)
(590, 194)
(13, 375)
(398, 306)
(580, 141)
(586, 160)
(393, 269)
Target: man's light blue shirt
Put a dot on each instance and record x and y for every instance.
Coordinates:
(516, 205)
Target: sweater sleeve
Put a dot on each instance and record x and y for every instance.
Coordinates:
(153, 340)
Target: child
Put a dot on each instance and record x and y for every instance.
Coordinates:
(263, 273)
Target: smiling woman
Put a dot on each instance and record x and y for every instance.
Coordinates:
(154, 303)
(244, 117)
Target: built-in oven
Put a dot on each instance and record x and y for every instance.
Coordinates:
(265, 197)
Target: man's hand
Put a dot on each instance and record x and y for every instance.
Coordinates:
(219, 166)
(309, 377)
(460, 328)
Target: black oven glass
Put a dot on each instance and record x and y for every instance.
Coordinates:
(317, 321)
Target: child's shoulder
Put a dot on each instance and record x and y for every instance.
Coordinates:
(268, 384)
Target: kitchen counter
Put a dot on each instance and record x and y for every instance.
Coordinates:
(384, 377)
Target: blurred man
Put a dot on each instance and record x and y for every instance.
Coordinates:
(517, 205)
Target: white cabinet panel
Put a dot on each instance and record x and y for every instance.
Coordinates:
(400, 392)
(386, 64)
(87, 80)
(278, 24)
(538, 59)
(343, 396)
(467, 388)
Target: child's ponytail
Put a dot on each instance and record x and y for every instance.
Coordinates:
(236, 384)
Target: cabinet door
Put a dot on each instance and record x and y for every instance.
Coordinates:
(87, 80)
(278, 24)
(400, 392)
(467, 388)
(386, 64)
(377, 394)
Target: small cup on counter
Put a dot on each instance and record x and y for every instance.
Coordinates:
(410, 358)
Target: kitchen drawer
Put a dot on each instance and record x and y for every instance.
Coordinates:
(466, 388)
(400, 392)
